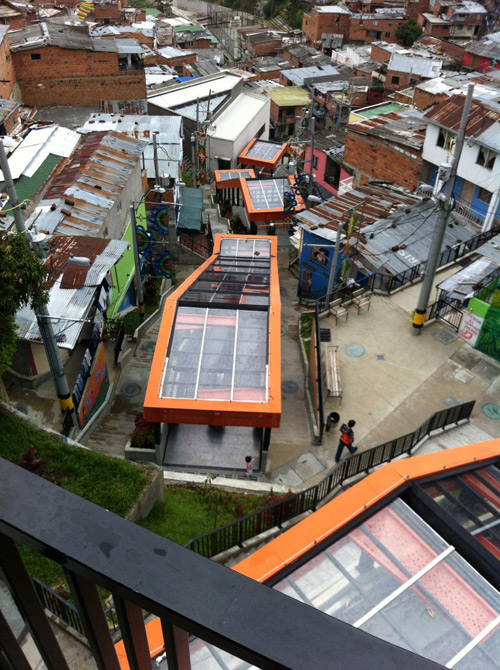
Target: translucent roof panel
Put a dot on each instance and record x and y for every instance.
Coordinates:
(484, 655)
(241, 248)
(217, 354)
(395, 578)
(268, 193)
(264, 151)
(226, 175)
(473, 500)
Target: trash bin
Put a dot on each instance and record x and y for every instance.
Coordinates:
(332, 420)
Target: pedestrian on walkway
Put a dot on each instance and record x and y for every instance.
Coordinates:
(346, 439)
(249, 466)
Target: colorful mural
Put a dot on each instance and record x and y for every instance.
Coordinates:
(96, 388)
(488, 339)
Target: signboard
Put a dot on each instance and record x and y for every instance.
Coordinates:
(470, 327)
(96, 388)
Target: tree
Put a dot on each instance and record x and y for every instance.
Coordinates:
(408, 32)
(21, 279)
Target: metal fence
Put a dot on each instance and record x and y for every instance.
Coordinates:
(67, 612)
(389, 283)
(275, 515)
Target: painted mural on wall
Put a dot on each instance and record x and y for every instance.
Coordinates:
(488, 339)
(96, 388)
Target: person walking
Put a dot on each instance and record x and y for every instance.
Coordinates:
(346, 439)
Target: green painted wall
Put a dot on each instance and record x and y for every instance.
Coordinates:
(478, 307)
(488, 340)
(124, 271)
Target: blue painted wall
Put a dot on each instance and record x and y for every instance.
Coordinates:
(317, 260)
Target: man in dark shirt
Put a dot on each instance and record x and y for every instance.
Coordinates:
(346, 439)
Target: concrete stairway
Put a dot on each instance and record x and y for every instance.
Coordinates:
(112, 434)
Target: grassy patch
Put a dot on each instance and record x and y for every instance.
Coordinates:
(105, 481)
(306, 323)
(188, 512)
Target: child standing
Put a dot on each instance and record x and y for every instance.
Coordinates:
(249, 466)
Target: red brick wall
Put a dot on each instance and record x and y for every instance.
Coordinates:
(380, 55)
(372, 158)
(374, 29)
(6, 69)
(72, 77)
(14, 22)
(264, 48)
(423, 99)
(316, 23)
(402, 82)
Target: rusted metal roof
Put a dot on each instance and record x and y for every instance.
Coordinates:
(399, 127)
(372, 202)
(61, 249)
(449, 113)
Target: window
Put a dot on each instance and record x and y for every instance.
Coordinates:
(375, 23)
(36, 57)
(486, 158)
(445, 139)
(315, 162)
(388, 34)
(483, 195)
(394, 79)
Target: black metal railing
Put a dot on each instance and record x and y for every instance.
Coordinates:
(382, 283)
(143, 571)
(67, 612)
(275, 515)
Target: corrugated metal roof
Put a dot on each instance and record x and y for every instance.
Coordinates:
(423, 67)
(72, 288)
(284, 96)
(28, 187)
(37, 145)
(481, 116)
(400, 127)
(373, 202)
(402, 240)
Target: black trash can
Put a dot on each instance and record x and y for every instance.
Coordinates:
(332, 420)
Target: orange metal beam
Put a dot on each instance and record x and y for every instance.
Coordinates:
(333, 516)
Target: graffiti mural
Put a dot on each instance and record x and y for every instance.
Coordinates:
(96, 388)
(488, 340)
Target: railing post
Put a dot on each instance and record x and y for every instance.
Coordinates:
(94, 621)
(176, 643)
(28, 604)
(133, 633)
(10, 647)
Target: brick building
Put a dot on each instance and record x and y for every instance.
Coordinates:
(405, 71)
(288, 105)
(332, 19)
(62, 65)
(266, 67)
(303, 55)
(261, 42)
(366, 28)
(386, 148)
(15, 17)
(484, 55)
(8, 78)
(454, 19)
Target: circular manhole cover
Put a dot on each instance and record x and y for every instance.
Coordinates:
(289, 387)
(354, 350)
(491, 411)
(131, 389)
(148, 346)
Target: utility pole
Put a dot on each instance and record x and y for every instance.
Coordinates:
(311, 153)
(64, 396)
(445, 206)
(138, 278)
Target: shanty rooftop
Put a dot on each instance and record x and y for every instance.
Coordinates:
(482, 123)
(399, 127)
(38, 35)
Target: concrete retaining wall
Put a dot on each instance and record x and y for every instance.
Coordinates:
(153, 493)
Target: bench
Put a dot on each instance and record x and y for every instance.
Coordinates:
(361, 299)
(338, 309)
(333, 373)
